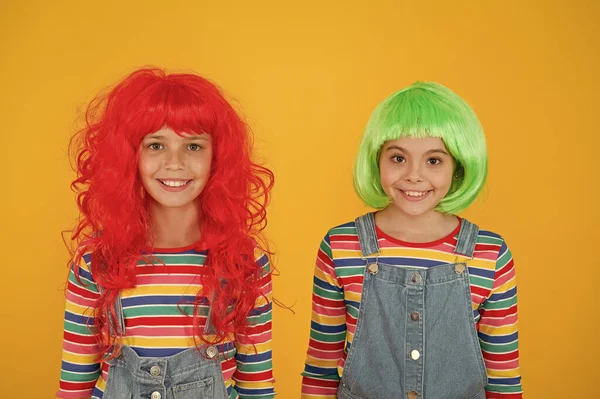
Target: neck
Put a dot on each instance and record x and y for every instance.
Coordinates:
(427, 227)
(175, 227)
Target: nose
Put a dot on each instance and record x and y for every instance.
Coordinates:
(414, 174)
(174, 160)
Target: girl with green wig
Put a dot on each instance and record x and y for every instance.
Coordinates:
(413, 301)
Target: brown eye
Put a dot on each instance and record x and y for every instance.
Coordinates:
(155, 146)
(194, 147)
(434, 161)
(397, 159)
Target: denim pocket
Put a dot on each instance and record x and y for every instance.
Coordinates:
(202, 389)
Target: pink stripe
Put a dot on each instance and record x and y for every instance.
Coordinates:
(74, 394)
(78, 300)
(352, 246)
(168, 279)
(327, 355)
(510, 365)
(158, 331)
(499, 321)
(308, 389)
(326, 311)
(80, 349)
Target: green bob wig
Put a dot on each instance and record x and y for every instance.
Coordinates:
(424, 109)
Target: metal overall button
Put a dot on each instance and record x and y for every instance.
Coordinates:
(373, 268)
(412, 395)
(155, 371)
(414, 354)
(459, 268)
(416, 278)
(212, 351)
(415, 316)
(156, 395)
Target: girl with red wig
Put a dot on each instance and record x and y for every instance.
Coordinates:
(169, 296)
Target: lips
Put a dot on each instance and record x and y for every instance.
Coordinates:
(174, 183)
(415, 196)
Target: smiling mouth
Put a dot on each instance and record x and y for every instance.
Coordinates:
(415, 194)
(174, 183)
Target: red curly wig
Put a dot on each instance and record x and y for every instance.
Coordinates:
(115, 221)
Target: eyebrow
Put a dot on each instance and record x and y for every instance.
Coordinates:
(189, 138)
(432, 151)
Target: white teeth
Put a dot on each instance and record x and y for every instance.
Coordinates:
(173, 183)
(415, 193)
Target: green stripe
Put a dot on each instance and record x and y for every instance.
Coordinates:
(343, 231)
(504, 388)
(499, 348)
(330, 377)
(352, 271)
(254, 367)
(479, 281)
(503, 259)
(163, 310)
(77, 328)
(173, 260)
(326, 249)
(85, 283)
(79, 377)
(326, 293)
(489, 240)
(337, 337)
(260, 319)
(501, 304)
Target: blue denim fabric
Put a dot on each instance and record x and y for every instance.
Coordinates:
(415, 337)
(190, 374)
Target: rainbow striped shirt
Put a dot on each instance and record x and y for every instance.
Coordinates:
(337, 294)
(158, 324)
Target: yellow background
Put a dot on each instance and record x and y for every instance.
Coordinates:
(307, 75)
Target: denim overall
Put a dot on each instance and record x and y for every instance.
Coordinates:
(415, 336)
(191, 374)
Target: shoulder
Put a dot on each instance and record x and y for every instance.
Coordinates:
(492, 243)
(345, 229)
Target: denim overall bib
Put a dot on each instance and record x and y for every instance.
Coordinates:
(415, 336)
(191, 374)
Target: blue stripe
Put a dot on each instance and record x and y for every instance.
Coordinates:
(486, 233)
(503, 295)
(325, 285)
(487, 273)
(97, 393)
(87, 258)
(504, 381)
(80, 368)
(85, 275)
(327, 329)
(252, 358)
(254, 391)
(320, 370)
(263, 309)
(262, 261)
(499, 339)
(75, 318)
(159, 300)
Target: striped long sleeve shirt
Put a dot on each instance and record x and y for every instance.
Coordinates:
(337, 291)
(158, 323)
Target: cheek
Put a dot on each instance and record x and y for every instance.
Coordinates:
(146, 167)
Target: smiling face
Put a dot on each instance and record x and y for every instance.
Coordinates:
(416, 173)
(174, 169)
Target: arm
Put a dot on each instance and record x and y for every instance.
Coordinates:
(80, 364)
(254, 372)
(320, 378)
(498, 335)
